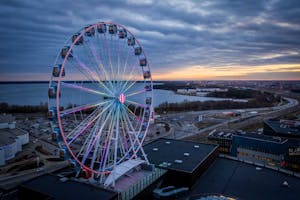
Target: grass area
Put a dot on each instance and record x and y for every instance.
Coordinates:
(204, 124)
(253, 127)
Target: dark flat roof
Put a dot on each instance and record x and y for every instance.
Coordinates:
(283, 128)
(52, 186)
(262, 137)
(245, 182)
(175, 150)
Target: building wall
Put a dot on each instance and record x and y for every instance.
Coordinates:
(260, 157)
(187, 179)
(24, 138)
(10, 150)
(258, 145)
(3, 125)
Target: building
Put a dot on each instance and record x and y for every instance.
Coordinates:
(54, 187)
(239, 180)
(261, 148)
(184, 161)
(223, 139)
(292, 158)
(11, 138)
(282, 128)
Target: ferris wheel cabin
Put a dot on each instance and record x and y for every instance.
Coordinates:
(148, 100)
(101, 28)
(51, 114)
(147, 74)
(64, 52)
(55, 136)
(148, 88)
(80, 39)
(89, 31)
(122, 33)
(137, 51)
(143, 62)
(52, 90)
(56, 71)
(131, 41)
(112, 29)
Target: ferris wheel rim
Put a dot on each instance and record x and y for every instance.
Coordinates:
(83, 31)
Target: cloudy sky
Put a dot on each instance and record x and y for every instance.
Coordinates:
(209, 39)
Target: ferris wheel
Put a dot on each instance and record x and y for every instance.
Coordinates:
(100, 99)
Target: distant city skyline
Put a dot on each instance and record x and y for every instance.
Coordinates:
(184, 40)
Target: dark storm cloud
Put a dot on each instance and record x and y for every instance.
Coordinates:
(175, 34)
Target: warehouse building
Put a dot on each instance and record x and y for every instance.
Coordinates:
(11, 138)
(282, 128)
(184, 161)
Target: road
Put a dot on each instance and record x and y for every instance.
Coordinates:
(7, 181)
(182, 124)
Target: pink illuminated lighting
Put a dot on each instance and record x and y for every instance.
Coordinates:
(122, 98)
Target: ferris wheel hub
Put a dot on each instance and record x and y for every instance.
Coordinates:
(122, 98)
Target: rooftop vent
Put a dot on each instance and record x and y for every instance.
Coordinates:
(178, 161)
(186, 154)
(155, 149)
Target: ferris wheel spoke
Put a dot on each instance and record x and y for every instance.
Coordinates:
(99, 61)
(134, 131)
(119, 54)
(81, 108)
(105, 55)
(135, 103)
(96, 142)
(82, 71)
(106, 148)
(116, 138)
(90, 54)
(84, 147)
(75, 86)
(136, 93)
(124, 69)
(133, 79)
(88, 147)
(80, 131)
(109, 57)
(129, 132)
(133, 114)
(92, 140)
(94, 76)
(137, 140)
(123, 134)
(82, 124)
